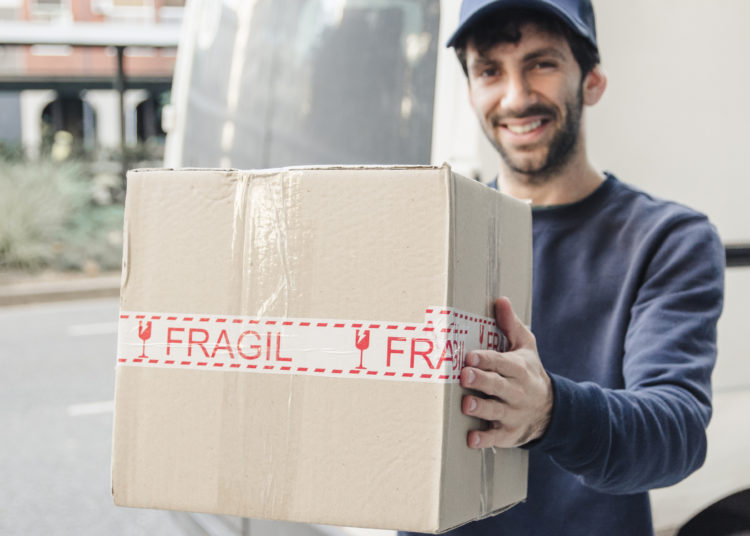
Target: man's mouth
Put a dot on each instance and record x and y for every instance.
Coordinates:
(523, 129)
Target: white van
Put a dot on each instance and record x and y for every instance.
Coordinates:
(270, 83)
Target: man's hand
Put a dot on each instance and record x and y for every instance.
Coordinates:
(518, 401)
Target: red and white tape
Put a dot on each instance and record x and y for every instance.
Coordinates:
(433, 351)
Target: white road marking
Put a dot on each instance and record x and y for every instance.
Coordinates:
(91, 408)
(83, 330)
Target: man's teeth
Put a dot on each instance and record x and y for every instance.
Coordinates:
(523, 129)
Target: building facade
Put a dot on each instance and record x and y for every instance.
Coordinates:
(63, 93)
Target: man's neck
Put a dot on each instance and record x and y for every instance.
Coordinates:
(575, 182)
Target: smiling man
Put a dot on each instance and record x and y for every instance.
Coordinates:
(610, 389)
(535, 129)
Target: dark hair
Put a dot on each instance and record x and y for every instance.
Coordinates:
(505, 27)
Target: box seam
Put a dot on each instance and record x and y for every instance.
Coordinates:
(449, 181)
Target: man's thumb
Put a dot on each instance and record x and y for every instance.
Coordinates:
(509, 323)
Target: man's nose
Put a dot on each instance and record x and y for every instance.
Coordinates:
(518, 94)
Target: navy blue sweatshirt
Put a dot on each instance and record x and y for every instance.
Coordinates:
(627, 291)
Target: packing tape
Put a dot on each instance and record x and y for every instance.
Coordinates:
(265, 213)
(434, 351)
(494, 246)
(487, 490)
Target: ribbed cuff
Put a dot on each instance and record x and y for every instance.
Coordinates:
(573, 431)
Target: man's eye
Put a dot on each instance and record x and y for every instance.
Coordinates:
(545, 65)
(488, 72)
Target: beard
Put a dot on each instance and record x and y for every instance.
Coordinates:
(560, 149)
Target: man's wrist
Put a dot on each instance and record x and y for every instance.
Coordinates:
(539, 427)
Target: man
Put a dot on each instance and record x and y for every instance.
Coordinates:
(611, 393)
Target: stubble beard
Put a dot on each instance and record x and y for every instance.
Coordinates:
(561, 148)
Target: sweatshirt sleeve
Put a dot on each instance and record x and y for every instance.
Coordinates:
(651, 433)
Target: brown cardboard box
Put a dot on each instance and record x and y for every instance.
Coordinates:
(290, 343)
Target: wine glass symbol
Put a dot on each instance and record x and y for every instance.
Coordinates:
(144, 335)
(362, 344)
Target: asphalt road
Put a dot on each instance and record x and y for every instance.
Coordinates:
(56, 391)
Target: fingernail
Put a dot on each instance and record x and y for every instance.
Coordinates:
(475, 440)
(470, 376)
(472, 404)
(472, 360)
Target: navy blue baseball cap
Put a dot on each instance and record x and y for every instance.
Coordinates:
(577, 14)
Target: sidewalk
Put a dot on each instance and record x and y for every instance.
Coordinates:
(20, 288)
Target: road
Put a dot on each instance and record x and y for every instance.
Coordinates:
(56, 390)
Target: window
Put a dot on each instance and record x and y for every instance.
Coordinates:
(50, 10)
(171, 10)
(343, 82)
(125, 10)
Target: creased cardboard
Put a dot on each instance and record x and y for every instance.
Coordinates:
(354, 247)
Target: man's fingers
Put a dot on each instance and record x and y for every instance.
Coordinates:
(497, 436)
(507, 365)
(487, 409)
(491, 383)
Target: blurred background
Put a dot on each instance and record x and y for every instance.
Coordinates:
(92, 88)
(82, 88)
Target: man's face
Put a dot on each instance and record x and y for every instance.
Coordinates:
(528, 98)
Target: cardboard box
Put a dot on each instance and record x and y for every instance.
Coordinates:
(290, 343)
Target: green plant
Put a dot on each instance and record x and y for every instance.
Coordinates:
(48, 218)
(10, 151)
(93, 237)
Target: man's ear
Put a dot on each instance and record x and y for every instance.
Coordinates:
(594, 85)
